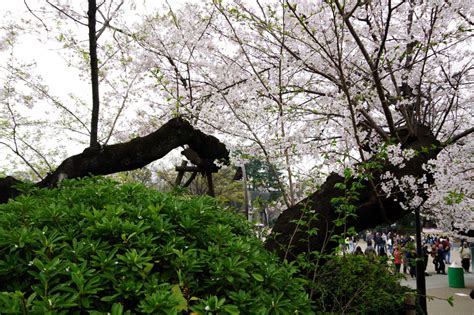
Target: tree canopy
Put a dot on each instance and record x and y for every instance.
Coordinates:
(313, 87)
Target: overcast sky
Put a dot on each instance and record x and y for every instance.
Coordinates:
(50, 64)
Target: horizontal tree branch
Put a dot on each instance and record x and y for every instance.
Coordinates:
(130, 155)
(460, 136)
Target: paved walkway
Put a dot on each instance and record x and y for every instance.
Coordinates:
(438, 290)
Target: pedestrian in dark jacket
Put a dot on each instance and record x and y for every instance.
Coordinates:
(465, 254)
(440, 260)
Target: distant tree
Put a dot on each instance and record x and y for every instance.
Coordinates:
(226, 189)
(261, 175)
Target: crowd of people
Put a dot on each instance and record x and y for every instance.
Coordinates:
(401, 251)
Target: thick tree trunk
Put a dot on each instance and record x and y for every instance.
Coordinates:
(130, 155)
(91, 13)
(309, 225)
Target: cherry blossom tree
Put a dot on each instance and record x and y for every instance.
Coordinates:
(344, 81)
(338, 84)
(366, 102)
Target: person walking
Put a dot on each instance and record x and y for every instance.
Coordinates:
(440, 259)
(351, 244)
(397, 258)
(434, 250)
(405, 251)
(465, 253)
(426, 254)
(390, 245)
(380, 244)
(447, 250)
(411, 257)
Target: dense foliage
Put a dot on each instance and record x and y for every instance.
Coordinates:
(352, 284)
(93, 246)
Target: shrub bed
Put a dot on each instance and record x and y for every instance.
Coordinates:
(350, 284)
(93, 246)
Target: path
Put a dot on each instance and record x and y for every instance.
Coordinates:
(438, 289)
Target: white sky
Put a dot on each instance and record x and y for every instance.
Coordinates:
(50, 64)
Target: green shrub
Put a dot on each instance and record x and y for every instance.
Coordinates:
(350, 284)
(96, 247)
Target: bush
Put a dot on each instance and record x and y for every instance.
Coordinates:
(96, 247)
(350, 284)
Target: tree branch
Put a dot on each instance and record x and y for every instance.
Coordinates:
(129, 155)
(459, 136)
(375, 74)
(37, 17)
(66, 14)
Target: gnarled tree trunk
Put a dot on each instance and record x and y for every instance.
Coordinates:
(293, 232)
(130, 155)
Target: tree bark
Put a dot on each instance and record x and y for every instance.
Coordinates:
(294, 230)
(129, 155)
(91, 13)
(8, 188)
